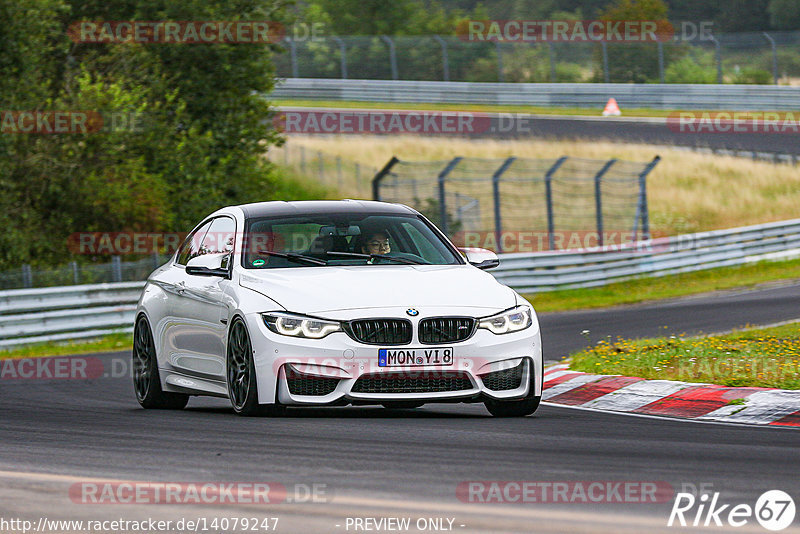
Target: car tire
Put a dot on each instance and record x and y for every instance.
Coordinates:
(402, 405)
(146, 380)
(519, 408)
(240, 375)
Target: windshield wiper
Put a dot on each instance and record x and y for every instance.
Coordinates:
(375, 257)
(291, 256)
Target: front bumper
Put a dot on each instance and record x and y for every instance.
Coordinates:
(339, 370)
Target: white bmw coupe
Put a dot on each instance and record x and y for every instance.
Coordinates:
(319, 303)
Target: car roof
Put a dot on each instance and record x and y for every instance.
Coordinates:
(300, 207)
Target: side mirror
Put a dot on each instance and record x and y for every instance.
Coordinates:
(209, 265)
(481, 258)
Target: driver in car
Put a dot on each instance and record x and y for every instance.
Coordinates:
(376, 243)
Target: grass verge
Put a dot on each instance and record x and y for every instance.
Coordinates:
(677, 285)
(109, 343)
(765, 357)
(488, 108)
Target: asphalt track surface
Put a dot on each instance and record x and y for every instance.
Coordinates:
(371, 462)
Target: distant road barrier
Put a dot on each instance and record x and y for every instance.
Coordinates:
(582, 95)
(75, 312)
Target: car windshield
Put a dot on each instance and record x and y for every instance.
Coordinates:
(318, 240)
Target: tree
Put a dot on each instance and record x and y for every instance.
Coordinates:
(784, 14)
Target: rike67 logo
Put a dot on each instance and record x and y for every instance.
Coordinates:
(774, 510)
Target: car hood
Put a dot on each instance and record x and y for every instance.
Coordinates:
(314, 290)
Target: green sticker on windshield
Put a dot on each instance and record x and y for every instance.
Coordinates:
(258, 263)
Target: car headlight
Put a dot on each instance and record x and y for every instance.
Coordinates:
(513, 320)
(288, 324)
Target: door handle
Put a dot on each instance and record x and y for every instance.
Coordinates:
(181, 287)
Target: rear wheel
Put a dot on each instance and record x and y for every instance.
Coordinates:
(241, 376)
(146, 381)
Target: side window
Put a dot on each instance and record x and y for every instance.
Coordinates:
(191, 247)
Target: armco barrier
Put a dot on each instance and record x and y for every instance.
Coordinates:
(67, 312)
(73, 312)
(589, 95)
(543, 271)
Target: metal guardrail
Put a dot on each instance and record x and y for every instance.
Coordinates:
(584, 95)
(543, 271)
(71, 312)
(74, 312)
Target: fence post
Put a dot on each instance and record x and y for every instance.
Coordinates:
(718, 54)
(376, 181)
(551, 54)
(293, 56)
(286, 154)
(500, 76)
(642, 211)
(76, 278)
(27, 276)
(156, 260)
(302, 159)
(548, 190)
(661, 62)
(445, 59)
(442, 192)
(774, 57)
(339, 172)
(342, 56)
(598, 199)
(116, 269)
(392, 55)
(321, 166)
(498, 221)
(606, 76)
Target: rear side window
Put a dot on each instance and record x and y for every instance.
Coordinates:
(192, 246)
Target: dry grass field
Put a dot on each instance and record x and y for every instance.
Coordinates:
(687, 191)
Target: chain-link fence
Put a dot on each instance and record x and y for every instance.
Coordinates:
(76, 273)
(349, 178)
(730, 58)
(518, 204)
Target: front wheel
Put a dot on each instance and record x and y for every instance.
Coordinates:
(241, 376)
(146, 381)
(519, 408)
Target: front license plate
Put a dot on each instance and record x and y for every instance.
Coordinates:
(440, 357)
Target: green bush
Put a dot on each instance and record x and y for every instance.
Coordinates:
(753, 76)
(687, 71)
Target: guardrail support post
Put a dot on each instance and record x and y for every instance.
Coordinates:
(342, 56)
(445, 59)
(392, 55)
(76, 278)
(548, 189)
(116, 269)
(27, 276)
(642, 211)
(376, 181)
(442, 193)
(718, 55)
(321, 166)
(293, 56)
(500, 76)
(661, 77)
(598, 199)
(498, 220)
(157, 259)
(774, 57)
(551, 55)
(606, 76)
